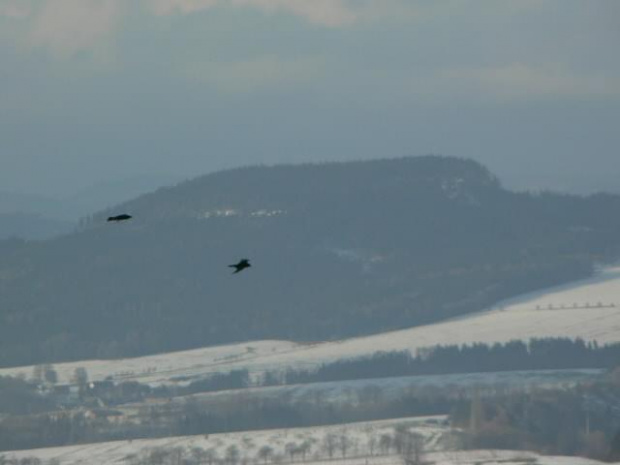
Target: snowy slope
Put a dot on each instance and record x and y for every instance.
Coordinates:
(123, 452)
(524, 318)
(438, 440)
(434, 430)
(163, 367)
(566, 311)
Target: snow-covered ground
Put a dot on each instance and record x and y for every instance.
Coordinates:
(165, 367)
(101, 456)
(363, 447)
(358, 436)
(587, 309)
(567, 311)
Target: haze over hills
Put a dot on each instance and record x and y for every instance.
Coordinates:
(30, 217)
(558, 181)
(339, 249)
(39, 217)
(104, 195)
(32, 226)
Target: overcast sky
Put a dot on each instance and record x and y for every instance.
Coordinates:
(97, 90)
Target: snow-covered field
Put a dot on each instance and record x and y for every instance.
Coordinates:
(474, 457)
(165, 367)
(361, 438)
(358, 436)
(587, 309)
(539, 315)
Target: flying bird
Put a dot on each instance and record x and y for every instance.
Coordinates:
(119, 218)
(242, 265)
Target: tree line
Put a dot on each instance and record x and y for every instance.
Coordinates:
(516, 355)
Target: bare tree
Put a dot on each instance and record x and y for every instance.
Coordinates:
(385, 443)
(330, 443)
(371, 444)
(400, 437)
(343, 443)
(50, 374)
(232, 455)
(265, 453)
(412, 450)
(80, 377)
(292, 450)
(304, 448)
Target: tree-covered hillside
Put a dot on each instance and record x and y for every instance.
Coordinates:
(338, 249)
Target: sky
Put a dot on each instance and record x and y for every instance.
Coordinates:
(93, 91)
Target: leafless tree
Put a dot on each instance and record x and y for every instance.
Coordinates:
(385, 443)
(265, 453)
(50, 374)
(412, 450)
(343, 443)
(330, 443)
(372, 444)
(304, 448)
(80, 377)
(291, 449)
(232, 455)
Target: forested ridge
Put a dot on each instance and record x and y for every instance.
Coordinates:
(338, 249)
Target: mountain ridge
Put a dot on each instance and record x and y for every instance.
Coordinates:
(338, 249)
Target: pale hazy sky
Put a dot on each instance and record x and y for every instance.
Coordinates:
(96, 90)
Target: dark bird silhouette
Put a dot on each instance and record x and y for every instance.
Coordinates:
(119, 218)
(242, 265)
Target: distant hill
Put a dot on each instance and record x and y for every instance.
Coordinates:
(338, 249)
(31, 217)
(39, 217)
(105, 195)
(32, 226)
(11, 202)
